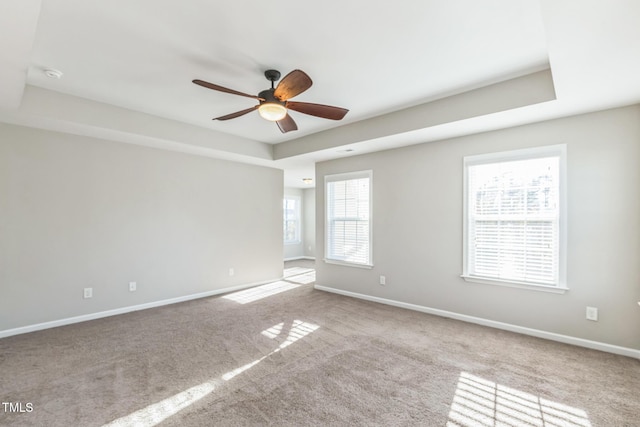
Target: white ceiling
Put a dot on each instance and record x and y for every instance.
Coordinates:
(128, 67)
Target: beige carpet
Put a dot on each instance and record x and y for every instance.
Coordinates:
(288, 355)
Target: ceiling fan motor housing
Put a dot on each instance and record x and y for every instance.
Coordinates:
(269, 97)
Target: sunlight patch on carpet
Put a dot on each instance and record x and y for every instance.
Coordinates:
(295, 271)
(160, 411)
(298, 330)
(303, 279)
(482, 403)
(156, 413)
(260, 292)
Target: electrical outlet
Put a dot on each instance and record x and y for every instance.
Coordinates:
(232, 272)
(88, 292)
(133, 286)
(592, 314)
(383, 280)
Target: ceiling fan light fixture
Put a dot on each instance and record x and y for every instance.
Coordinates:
(272, 111)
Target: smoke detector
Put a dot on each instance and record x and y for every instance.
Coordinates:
(52, 73)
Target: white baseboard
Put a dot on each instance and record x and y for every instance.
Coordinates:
(595, 345)
(123, 310)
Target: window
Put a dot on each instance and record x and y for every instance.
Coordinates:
(291, 221)
(348, 216)
(514, 213)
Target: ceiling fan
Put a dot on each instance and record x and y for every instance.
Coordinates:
(274, 102)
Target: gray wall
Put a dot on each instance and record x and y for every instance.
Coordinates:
(417, 228)
(78, 212)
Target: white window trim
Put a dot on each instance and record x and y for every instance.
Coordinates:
(523, 154)
(515, 284)
(344, 177)
(298, 239)
(347, 264)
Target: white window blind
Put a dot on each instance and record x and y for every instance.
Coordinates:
(513, 217)
(291, 220)
(348, 216)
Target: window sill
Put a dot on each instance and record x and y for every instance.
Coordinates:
(348, 264)
(518, 285)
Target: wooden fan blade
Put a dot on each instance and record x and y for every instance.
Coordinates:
(287, 124)
(292, 84)
(224, 89)
(318, 110)
(236, 114)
